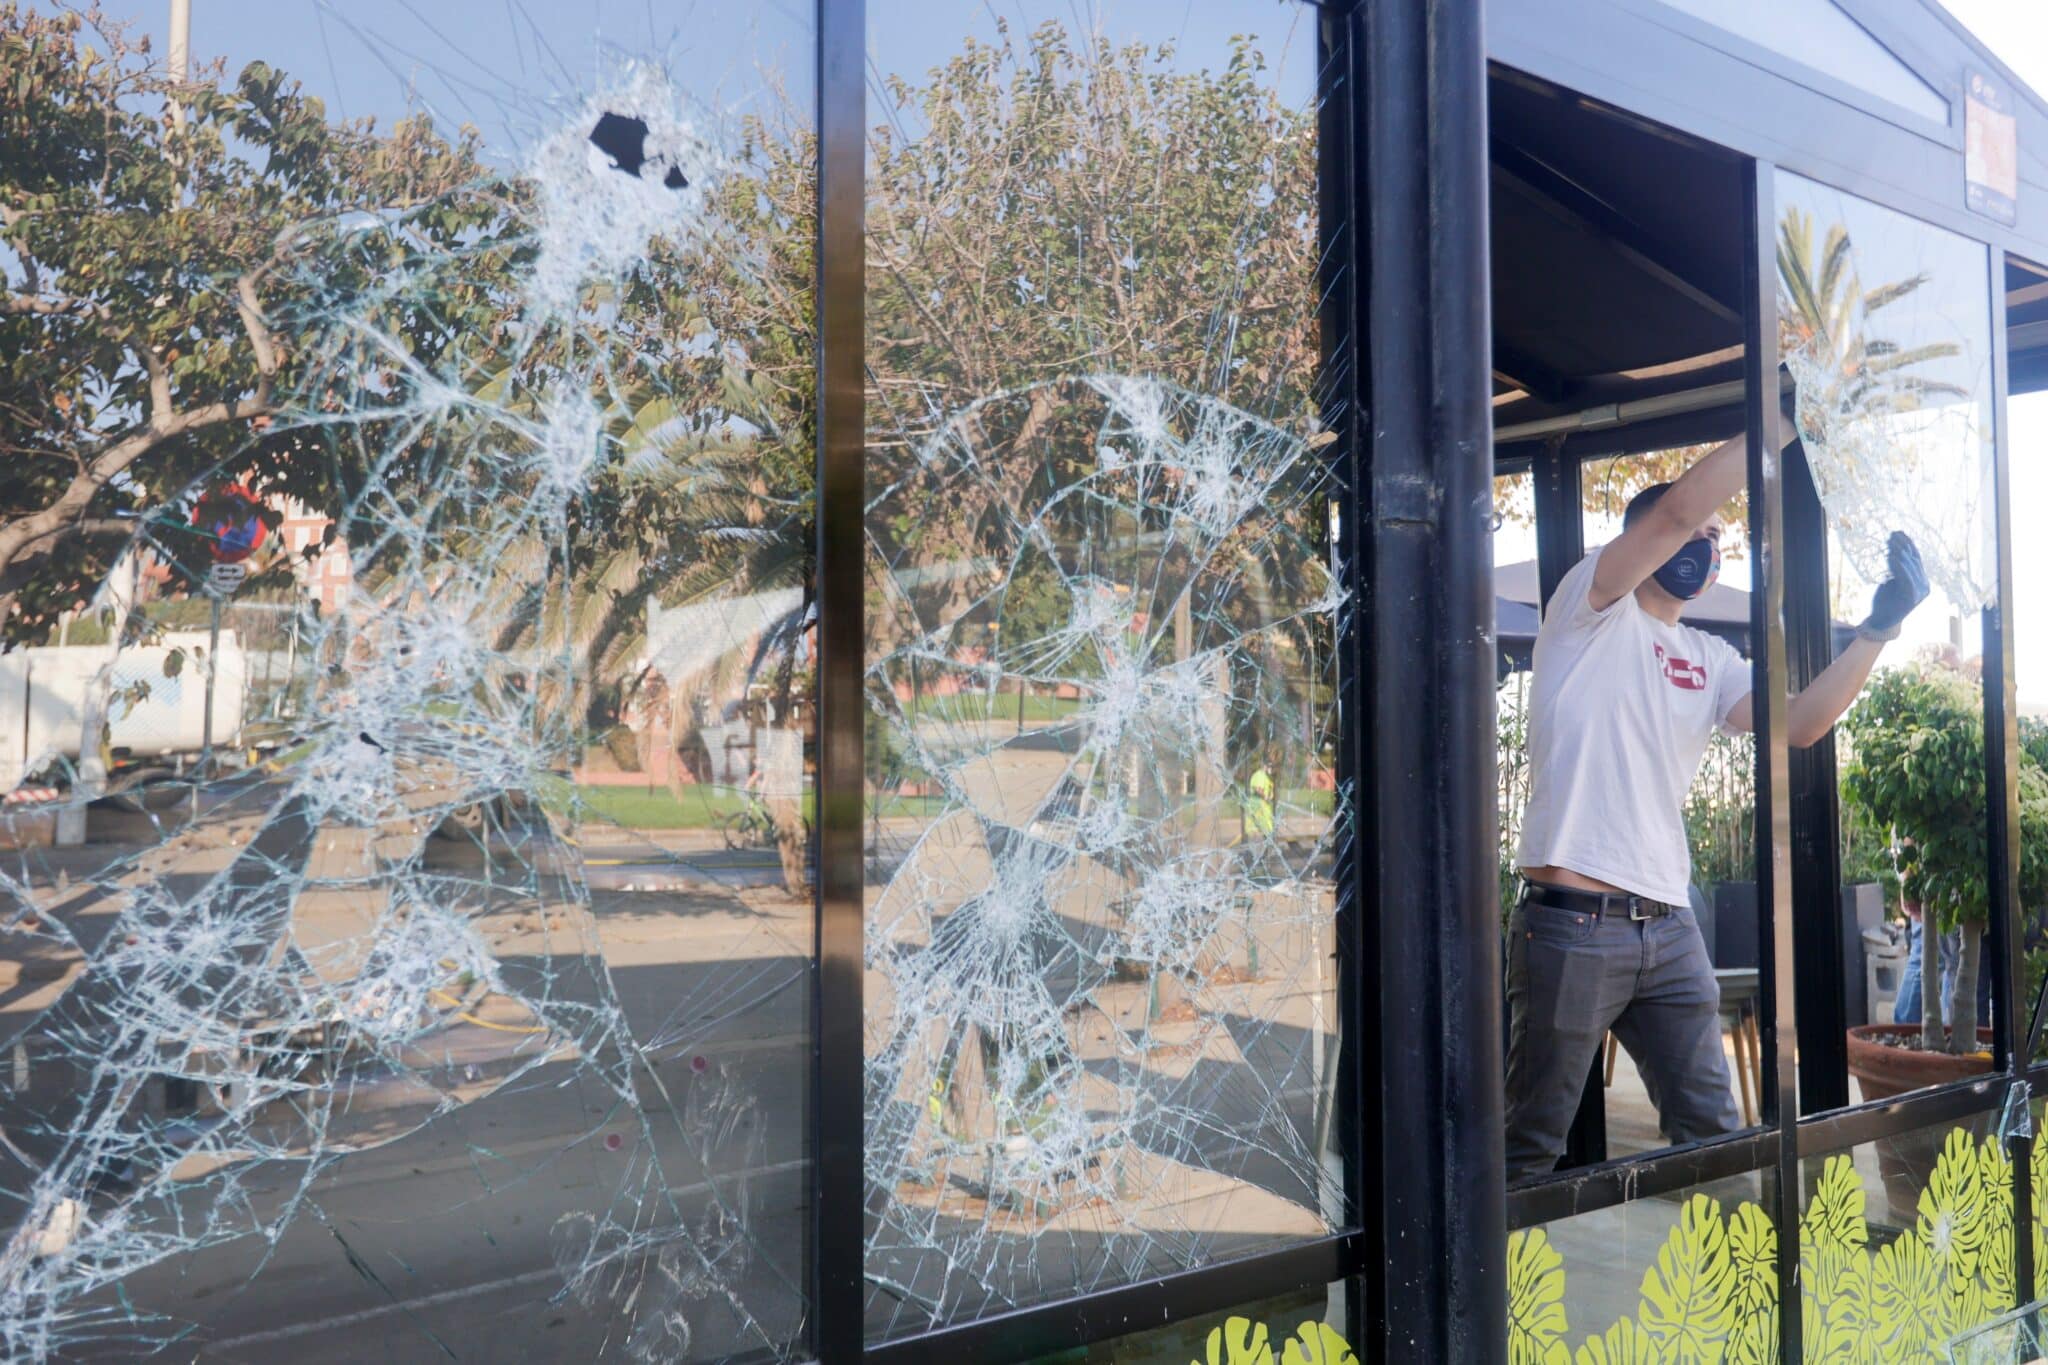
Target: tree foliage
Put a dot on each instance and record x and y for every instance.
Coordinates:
(1916, 768)
(153, 267)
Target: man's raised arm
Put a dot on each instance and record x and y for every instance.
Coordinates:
(1673, 520)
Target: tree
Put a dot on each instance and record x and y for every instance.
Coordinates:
(160, 284)
(1061, 209)
(1825, 310)
(1036, 211)
(1917, 768)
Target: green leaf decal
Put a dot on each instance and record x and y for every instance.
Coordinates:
(1951, 1222)
(1753, 1257)
(1835, 1214)
(1318, 1343)
(1848, 1328)
(1623, 1344)
(1239, 1341)
(1536, 1320)
(1712, 1294)
(1995, 1259)
(1909, 1301)
(1686, 1304)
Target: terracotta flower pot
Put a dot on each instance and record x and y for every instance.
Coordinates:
(1906, 1162)
(1882, 1071)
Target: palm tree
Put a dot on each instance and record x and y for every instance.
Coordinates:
(1824, 312)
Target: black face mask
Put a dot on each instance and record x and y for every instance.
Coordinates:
(1686, 574)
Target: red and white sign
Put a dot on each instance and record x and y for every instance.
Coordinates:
(1682, 673)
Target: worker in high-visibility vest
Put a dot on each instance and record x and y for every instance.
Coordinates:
(1258, 807)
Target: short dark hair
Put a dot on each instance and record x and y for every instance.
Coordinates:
(1640, 505)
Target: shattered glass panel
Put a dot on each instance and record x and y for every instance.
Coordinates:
(1101, 1010)
(1885, 325)
(404, 725)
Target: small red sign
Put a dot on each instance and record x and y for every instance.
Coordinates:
(231, 519)
(1991, 152)
(1682, 673)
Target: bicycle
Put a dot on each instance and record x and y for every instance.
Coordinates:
(751, 826)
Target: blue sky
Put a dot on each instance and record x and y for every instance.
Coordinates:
(502, 64)
(506, 66)
(2017, 30)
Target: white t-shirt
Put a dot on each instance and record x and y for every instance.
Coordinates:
(1620, 711)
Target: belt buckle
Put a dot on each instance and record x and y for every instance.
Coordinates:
(1635, 910)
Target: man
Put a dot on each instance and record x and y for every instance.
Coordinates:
(1623, 703)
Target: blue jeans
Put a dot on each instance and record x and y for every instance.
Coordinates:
(1906, 1008)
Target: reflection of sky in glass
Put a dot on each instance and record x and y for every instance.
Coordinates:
(2027, 415)
(482, 61)
(498, 64)
(1925, 467)
(910, 38)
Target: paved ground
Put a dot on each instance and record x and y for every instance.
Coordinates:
(486, 1177)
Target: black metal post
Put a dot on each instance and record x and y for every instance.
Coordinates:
(1557, 476)
(2012, 1042)
(1430, 682)
(1338, 403)
(1769, 669)
(838, 1184)
(1816, 907)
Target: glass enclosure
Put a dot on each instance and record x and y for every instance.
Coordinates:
(1904, 1211)
(407, 711)
(1101, 671)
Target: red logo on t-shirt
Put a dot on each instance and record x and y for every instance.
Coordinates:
(1682, 673)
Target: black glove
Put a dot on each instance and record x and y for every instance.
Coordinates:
(1788, 400)
(1904, 588)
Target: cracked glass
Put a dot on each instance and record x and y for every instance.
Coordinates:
(1102, 608)
(405, 710)
(1885, 326)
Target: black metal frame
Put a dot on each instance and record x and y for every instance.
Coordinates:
(838, 1106)
(1429, 677)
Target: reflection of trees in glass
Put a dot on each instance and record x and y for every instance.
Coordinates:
(1887, 404)
(1066, 207)
(1053, 207)
(1916, 769)
(1824, 311)
(1075, 207)
(150, 264)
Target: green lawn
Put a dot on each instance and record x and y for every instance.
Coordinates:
(701, 807)
(975, 706)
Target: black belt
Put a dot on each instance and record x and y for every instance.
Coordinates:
(1595, 902)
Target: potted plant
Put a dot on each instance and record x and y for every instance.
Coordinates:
(1916, 767)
